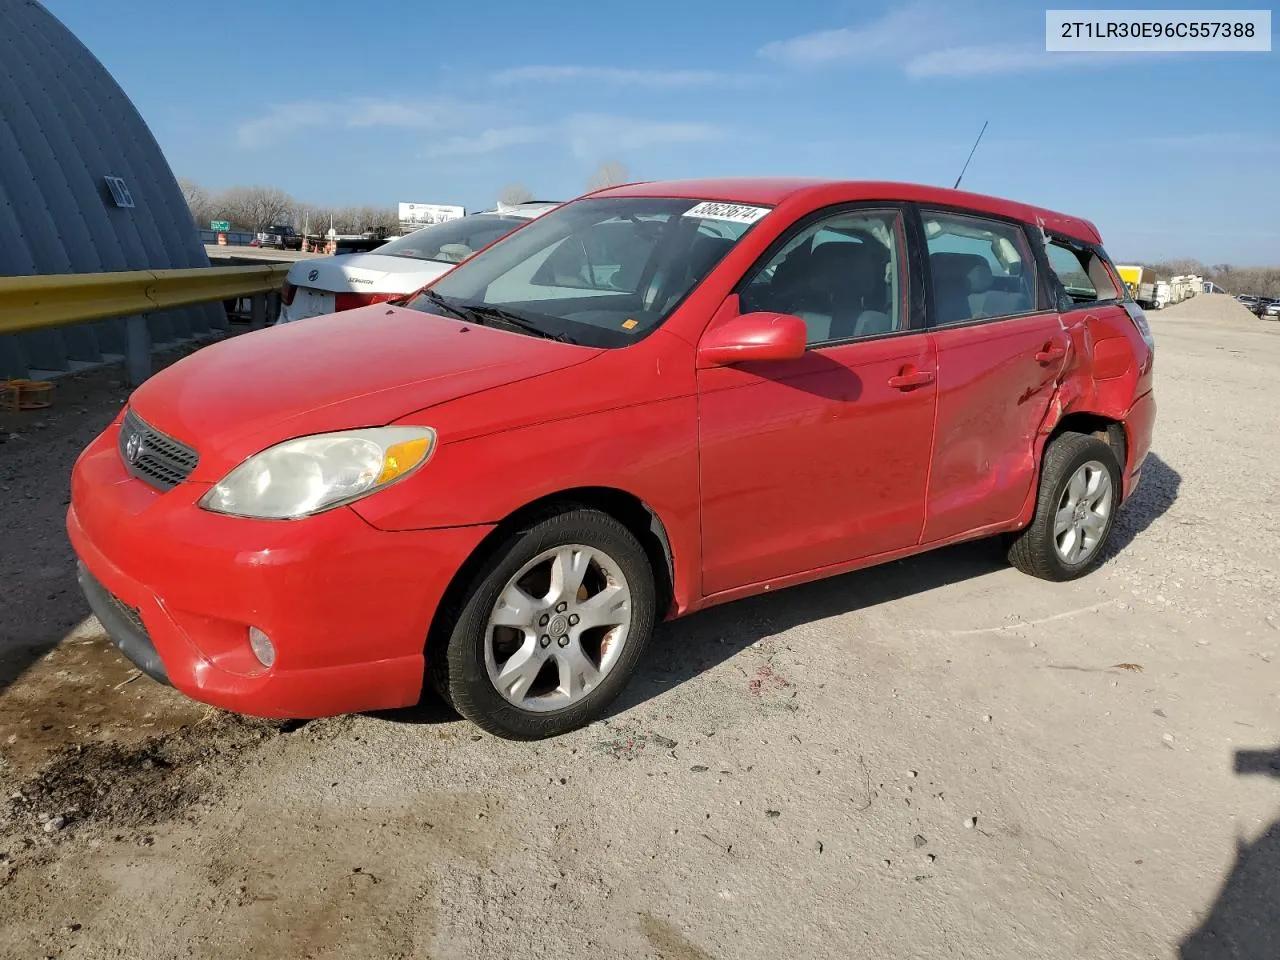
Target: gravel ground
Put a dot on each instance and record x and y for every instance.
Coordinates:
(937, 758)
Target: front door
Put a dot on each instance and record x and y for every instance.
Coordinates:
(816, 461)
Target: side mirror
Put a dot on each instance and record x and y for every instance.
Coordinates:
(754, 336)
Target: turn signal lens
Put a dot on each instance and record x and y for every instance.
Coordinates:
(400, 458)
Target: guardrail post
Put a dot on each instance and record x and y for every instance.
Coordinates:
(258, 311)
(273, 306)
(137, 349)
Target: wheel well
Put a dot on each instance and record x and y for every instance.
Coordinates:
(626, 508)
(1096, 425)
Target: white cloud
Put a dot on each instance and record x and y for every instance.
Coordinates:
(283, 119)
(652, 79)
(928, 40)
(591, 134)
(995, 59)
(899, 33)
(487, 141)
(455, 128)
(588, 136)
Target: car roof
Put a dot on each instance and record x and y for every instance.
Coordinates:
(774, 191)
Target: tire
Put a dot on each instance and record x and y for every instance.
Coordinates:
(463, 655)
(1038, 550)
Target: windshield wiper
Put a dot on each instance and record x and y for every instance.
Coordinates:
(441, 302)
(484, 310)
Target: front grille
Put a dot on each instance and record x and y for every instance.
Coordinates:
(153, 457)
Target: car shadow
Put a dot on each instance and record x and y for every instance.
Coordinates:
(1244, 921)
(683, 649)
(39, 611)
(1156, 493)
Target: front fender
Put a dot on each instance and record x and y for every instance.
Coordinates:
(648, 450)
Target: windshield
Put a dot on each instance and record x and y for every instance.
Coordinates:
(453, 240)
(602, 272)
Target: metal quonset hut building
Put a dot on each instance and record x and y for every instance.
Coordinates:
(66, 129)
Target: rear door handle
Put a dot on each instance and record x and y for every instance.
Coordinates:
(916, 378)
(1050, 353)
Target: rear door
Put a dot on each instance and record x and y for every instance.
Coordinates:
(1001, 348)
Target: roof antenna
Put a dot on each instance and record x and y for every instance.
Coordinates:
(970, 157)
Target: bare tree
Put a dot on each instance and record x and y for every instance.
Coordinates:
(257, 207)
(514, 193)
(199, 201)
(610, 173)
(311, 219)
(352, 220)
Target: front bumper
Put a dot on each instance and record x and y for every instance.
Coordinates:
(123, 625)
(347, 606)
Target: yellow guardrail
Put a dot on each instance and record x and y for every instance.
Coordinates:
(34, 303)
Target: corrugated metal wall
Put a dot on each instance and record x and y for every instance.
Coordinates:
(65, 124)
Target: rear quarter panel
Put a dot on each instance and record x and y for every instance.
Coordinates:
(1111, 374)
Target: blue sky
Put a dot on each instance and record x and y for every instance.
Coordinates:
(385, 100)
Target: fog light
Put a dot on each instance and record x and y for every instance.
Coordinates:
(262, 646)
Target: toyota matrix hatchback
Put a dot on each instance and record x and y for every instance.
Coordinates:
(653, 399)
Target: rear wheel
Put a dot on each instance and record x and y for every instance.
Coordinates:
(551, 628)
(1080, 488)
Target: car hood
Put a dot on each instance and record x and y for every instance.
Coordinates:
(361, 368)
(366, 273)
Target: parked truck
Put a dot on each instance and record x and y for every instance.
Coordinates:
(1131, 276)
(279, 235)
(1153, 294)
(1142, 285)
(1185, 287)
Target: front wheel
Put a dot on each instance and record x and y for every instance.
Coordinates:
(1080, 487)
(551, 629)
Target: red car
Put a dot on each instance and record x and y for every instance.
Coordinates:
(654, 399)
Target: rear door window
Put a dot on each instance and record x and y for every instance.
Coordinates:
(981, 269)
(1082, 275)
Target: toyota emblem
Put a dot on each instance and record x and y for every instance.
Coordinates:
(133, 448)
(313, 275)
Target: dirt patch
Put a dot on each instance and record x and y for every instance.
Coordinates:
(136, 785)
(84, 692)
(1211, 308)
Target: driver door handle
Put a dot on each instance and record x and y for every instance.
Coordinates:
(915, 378)
(1050, 353)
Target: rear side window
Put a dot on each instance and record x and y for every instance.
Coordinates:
(981, 269)
(451, 241)
(1081, 273)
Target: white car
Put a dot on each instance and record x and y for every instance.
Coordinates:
(400, 266)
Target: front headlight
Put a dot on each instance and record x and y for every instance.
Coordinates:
(300, 477)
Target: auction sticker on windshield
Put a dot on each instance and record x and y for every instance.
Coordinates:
(733, 212)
